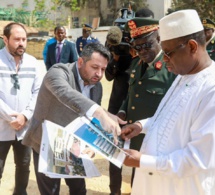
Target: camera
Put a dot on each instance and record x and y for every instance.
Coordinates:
(118, 40)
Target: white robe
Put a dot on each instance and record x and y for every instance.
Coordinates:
(178, 152)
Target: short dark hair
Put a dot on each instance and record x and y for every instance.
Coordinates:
(90, 48)
(144, 12)
(199, 37)
(58, 27)
(8, 27)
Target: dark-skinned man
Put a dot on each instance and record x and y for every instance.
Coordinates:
(149, 78)
(209, 26)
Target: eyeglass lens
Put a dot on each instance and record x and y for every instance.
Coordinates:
(146, 46)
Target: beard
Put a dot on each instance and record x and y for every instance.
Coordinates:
(19, 51)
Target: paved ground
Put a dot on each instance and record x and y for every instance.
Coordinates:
(95, 186)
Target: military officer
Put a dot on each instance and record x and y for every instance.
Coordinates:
(1, 42)
(85, 38)
(149, 77)
(209, 26)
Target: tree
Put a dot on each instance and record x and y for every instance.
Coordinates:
(205, 8)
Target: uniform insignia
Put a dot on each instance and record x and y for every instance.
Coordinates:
(132, 24)
(132, 75)
(212, 41)
(158, 65)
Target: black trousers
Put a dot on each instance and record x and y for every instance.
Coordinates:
(115, 176)
(51, 186)
(22, 158)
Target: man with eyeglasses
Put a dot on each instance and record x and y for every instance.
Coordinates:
(19, 86)
(149, 78)
(177, 155)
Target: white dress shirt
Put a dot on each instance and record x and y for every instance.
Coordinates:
(13, 100)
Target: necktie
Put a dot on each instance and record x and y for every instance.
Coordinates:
(58, 52)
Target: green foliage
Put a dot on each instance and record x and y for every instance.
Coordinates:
(205, 8)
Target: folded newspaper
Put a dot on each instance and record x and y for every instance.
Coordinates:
(61, 149)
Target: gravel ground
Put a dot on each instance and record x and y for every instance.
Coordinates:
(95, 186)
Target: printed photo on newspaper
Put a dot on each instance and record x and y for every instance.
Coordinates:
(61, 154)
(91, 132)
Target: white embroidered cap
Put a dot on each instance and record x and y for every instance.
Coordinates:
(179, 24)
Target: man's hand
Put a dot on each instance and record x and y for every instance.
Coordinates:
(109, 122)
(19, 122)
(131, 130)
(133, 158)
(121, 115)
(89, 152)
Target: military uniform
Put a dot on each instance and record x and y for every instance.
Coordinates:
(211, 48)
(147, 86)
(82, 41)
(1, 43)
(210, 25)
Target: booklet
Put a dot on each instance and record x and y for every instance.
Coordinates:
(91, 133)
(61, 148)
(60, 154)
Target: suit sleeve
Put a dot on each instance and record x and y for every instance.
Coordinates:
(48, 58)
(73, 53)
(61, 83)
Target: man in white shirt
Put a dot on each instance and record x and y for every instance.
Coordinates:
(19, 86)
(177, 155)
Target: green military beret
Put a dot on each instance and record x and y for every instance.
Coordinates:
(208, 24)
(140, 26)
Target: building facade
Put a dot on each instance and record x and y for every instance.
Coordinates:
(106, 10)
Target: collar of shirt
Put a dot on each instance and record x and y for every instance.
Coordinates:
(159, 53)
(61, 41)
(10, 57)
(85, 89)
(210, 39)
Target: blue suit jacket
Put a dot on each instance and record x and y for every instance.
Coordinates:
(68, 54)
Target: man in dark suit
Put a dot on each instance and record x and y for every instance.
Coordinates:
(62, 51)
(67, 92)
(85, 38)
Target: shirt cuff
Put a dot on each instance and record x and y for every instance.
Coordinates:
(122, 111)
(92, 109)
(148, 162)
(142, 122)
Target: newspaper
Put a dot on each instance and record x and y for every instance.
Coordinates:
(60, 154)
(61, 149)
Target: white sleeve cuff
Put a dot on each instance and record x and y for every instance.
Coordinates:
(143, 122)
(92, 109)
(148, 163)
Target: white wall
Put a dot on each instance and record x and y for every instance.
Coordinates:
(159, 7)
(17, 4)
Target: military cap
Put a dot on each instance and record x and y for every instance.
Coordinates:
(208, 24)
(141, 26)
(87, 27)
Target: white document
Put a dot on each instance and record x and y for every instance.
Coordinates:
(60, 154)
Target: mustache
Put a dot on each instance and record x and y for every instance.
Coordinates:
(20, 47)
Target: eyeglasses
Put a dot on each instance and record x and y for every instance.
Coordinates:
(145, 46)
(15, 77)
(168, 54)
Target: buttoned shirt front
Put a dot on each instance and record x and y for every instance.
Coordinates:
(13, 100)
